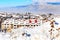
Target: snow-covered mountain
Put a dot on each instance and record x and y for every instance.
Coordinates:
(33, 8)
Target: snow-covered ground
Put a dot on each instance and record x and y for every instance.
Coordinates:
(30, 34)
(36, 33)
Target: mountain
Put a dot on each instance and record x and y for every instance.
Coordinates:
(33, 8)
(54, 3)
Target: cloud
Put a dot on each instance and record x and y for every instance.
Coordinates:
(53, 0)
(43, 2)
(39, 1)
(46, 1)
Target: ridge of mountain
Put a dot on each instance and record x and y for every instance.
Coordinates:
(33, 8)
(54, 3)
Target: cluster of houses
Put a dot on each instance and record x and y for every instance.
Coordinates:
(13, 21)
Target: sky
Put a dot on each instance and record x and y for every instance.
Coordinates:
(45, 8)
(11, 3)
